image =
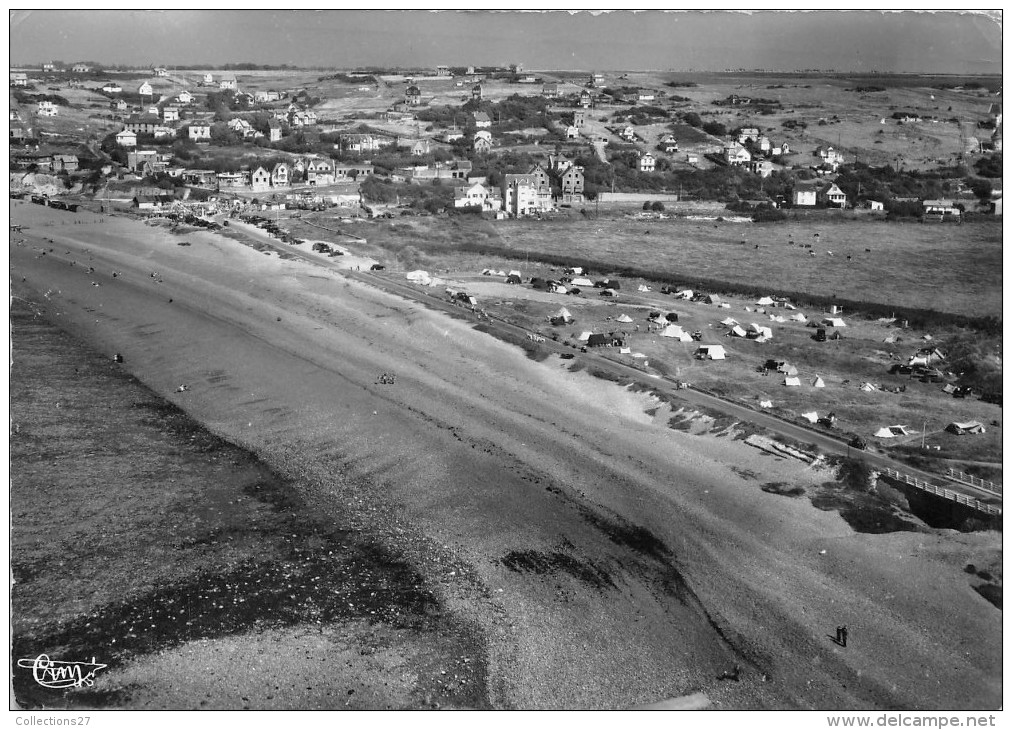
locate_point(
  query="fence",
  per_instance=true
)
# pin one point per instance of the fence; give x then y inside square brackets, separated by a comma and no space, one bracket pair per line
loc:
[942,492]
[977,482]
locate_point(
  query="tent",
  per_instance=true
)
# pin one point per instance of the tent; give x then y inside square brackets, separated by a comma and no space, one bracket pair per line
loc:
[514,272]
[582,282]
[673,330]
[513,279]
[729,322]
[777,318]
[787,369]
[948,388]
[643,287]
[486,272]
[737,331]
[890,339]
[811,416]
[761,331]
[889,432]
[624,318]
[711,352]
[724,305]
[765,404]
[639,355]
[684,294]
[799,317]
[765,302]
[712,299]
[563,315]
[792,381]
[868,387]
[963,428]
[834,322]
[818,382]
[584,336]
[557,288]
[625,351]
[419,277]
[575,270]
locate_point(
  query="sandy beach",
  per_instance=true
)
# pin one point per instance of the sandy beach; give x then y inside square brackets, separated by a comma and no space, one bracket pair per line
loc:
[607,559]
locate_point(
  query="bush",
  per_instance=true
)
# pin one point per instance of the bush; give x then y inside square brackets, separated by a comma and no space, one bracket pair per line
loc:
[657,206]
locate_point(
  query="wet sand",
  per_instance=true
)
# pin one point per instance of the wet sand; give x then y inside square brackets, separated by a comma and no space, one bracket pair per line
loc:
[611,561]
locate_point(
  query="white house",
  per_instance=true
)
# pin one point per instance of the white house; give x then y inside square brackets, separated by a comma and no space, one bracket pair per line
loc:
[260,180]
[19,78]
[126,138]
[199,131]
[482,120]
[645,95]
[145,89]
[80,68]
[208,78]
[735,154]
[161,71]
[482,141]
[474,195]
[112,87]
[228,81]
[46,109]
[185,97]
[647,162]
[170,114]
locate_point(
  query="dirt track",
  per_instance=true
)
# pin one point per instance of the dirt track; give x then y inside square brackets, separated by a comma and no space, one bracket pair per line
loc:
[625,563]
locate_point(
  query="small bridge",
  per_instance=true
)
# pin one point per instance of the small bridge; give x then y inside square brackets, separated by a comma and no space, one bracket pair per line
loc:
[970,502]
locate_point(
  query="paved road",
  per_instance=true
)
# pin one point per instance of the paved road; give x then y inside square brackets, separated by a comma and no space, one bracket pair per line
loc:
[827,443]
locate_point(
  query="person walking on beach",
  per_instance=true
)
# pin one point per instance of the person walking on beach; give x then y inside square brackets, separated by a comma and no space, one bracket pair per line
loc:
[841,635]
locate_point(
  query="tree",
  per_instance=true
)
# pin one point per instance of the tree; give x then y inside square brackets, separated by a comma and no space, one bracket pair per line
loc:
[646,205]
[657,207]
[715,128]
[692,119]
[981,187]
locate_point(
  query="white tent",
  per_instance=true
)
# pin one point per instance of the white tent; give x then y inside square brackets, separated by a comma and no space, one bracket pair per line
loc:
[624,318]
[559,289]
[737,331]
[419,276]
[564,315]
[584,336]
[712,352]
[729,322]
[643,287]
[799,317]
[765,404]
[724,305]
[762,331]
[513,272]
[765,302]
[487,272]
[818,382]
[575,270]
[638,355]
[834,322]
[673,330]
[684,294]
[582,282]
[625,351]
[868,387]
[792,381]
[811,416]
[889,432]
[777,318]
[963,428]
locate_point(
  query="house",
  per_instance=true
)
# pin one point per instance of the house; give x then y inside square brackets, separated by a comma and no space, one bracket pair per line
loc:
[280,176]
[476,92]
[482,141]
[199,131]
[319,171]
[876,205]
[170,114]
[275,131]
[586,99]
[647,162]
[597,80]
[118,105]
[784,149]
[522,195]
[748,134]
[126,138]
[260,180]
[806,194]
[161,71]
[645,95]
[48,67]
[550,90]
[228,81]
[185,98]
[240,126]
[570,184]
[528,79]
[203,178]
[46,109]
[111,87]
[145,89]
[233,179]
[302,118]
[19,78]
[443,71]
[420,147]
[515,68]
[152,202]
[352,171]
[208,79]
[762,168]
[80,68]
[572,132]
[482,120]
[412,96]
[579,119]
[692,159]
[829,156]
[476,195]
[161,131]
[831,196]
[628,133]
[735,154]
[65,163]
[363,142]
[940,210]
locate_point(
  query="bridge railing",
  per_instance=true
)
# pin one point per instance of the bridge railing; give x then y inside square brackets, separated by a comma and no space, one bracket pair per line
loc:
[973,481]
[942,492]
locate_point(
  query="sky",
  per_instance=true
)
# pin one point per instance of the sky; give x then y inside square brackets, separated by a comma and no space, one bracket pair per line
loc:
[954,42]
